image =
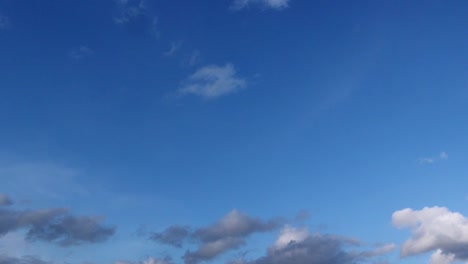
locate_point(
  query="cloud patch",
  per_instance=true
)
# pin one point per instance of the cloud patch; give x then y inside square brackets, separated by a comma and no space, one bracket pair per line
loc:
[273,4]
[434,229]
[150,260]
[54,225]
[5,200]
[442,156]
[297,245]
[213,81]
[81,53]
[228,233]
[173,235]
[22,260]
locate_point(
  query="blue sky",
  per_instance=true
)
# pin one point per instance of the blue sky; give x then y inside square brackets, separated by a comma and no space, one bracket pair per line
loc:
[234,131]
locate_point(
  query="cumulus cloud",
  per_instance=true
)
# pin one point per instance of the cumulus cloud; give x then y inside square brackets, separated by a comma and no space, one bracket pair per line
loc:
[274,4]
[5,200]
[442,156]
[54,225]
[434,229]
[213,81]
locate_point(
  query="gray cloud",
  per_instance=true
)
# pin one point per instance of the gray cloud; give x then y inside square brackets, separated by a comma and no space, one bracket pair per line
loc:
[226,234]
[5,200]
[234,224]
[71,230]
[297,245]
[54,225]
[22,260]
[210,250]
[173,235]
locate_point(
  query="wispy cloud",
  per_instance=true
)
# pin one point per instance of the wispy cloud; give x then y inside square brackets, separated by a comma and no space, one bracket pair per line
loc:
[129,10]
[136,16]
[430,160]
[213,81]
[434,229]
[274,4]
[81,53]
[175,46]
[4,22]
[194,58]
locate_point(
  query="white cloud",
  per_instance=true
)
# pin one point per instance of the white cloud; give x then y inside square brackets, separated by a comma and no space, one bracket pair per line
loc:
[434,228]
[442,156]
[290,234]
[213,81]
[274,4]
[439,258]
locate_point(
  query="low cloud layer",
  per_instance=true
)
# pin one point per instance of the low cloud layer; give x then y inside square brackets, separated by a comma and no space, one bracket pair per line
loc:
[297,245]
[293,245]
[213,81]
[228,233]
[55,225]
[434,229]
[274,4]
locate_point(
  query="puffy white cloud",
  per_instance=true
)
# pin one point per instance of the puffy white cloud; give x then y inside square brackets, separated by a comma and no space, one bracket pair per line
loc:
[213,81]
[274,4]
[439,257]
[290,234]
[434,228]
